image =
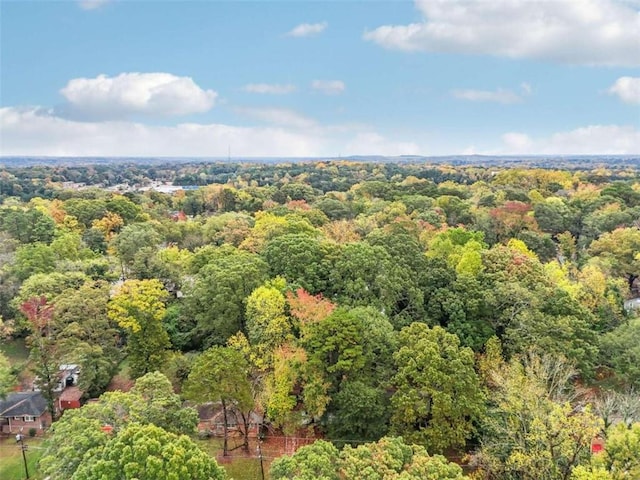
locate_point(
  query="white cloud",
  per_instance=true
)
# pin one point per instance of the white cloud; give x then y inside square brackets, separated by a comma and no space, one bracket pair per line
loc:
[92,4]
[270,88]
[329,87]
[586,32]
[308,29]
[590,140]
[154,94]
[36,132]
[628,89]
[278,116]
[39,132]
[498,96]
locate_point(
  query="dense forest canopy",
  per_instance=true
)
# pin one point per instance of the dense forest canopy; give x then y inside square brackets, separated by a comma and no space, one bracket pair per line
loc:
[398,304]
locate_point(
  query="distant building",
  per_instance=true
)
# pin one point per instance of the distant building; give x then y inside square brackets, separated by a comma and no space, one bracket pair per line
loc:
[24,410]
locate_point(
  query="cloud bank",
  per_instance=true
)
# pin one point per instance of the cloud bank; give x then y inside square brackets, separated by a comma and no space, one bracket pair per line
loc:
[585,32]
[39,132]
[593,139]
[129,94]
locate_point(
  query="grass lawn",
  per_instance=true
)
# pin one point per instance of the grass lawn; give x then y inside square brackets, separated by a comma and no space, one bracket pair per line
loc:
[11,463]
[18,355]
[238,465]
[15,350]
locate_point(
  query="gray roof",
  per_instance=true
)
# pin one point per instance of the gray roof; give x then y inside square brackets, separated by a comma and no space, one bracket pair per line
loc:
[23,403]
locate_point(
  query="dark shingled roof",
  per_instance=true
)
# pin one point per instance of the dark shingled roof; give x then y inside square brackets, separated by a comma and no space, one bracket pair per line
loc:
[23,403]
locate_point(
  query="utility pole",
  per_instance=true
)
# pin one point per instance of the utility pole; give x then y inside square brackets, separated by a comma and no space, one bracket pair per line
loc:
[260,457]
[23,447]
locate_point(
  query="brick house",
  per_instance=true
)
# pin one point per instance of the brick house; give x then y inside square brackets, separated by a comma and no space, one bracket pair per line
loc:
[24,410]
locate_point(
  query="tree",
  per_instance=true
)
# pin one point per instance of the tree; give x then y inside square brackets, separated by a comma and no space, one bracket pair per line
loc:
[620,455]
[391,459]
[86,335]
[217,298]
[365,275]
[621,351]
[267,325]
[34,258]
[532,431]
[161,406]
[43,349]
[437,396]
[147,452]
[27,225]
[317,461]
[220,375]
[86,211]
[132,240]
[554,216]
[358,411]
[138,307]
[620,248]
[300,258]
[7,379]
[75,437]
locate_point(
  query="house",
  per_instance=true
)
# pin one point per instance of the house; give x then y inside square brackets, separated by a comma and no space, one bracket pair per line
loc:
[24,411]
[70,398]
[211,420]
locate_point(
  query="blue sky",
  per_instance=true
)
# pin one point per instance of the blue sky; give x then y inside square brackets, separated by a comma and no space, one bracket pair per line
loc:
[267,78]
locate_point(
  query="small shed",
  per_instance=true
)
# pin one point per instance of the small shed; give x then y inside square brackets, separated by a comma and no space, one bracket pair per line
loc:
[70,398]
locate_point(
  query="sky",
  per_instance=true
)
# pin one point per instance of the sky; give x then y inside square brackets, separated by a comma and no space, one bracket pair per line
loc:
[319,78]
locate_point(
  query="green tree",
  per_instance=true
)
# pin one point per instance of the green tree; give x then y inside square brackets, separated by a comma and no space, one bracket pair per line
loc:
[620,249]
[138,307]
[554,216]
[300,258]
[86,335]
[85,210]
[217,300]
[34,258]
[161,406]
[7,378]
[147,452]
[220,375]
[27,225]
[317,461]
[134,241]
[438,397]
[391,459]
[620,349]
[74,437]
